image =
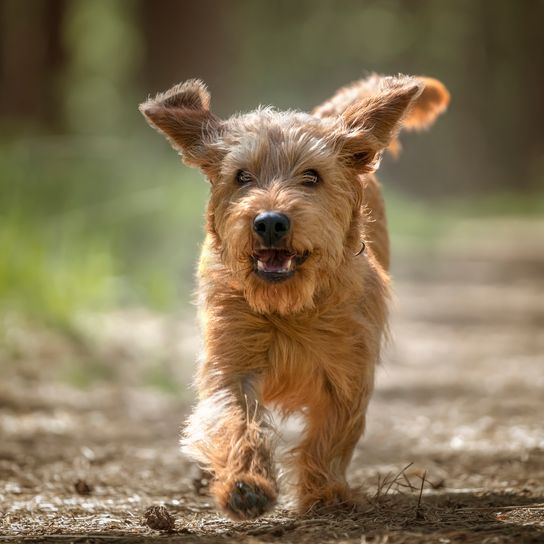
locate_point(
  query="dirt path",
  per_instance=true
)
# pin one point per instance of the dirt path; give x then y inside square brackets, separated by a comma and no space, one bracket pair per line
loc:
[459,402]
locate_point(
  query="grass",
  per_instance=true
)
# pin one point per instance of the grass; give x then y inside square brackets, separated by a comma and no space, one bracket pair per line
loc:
[419,222]
[94,226]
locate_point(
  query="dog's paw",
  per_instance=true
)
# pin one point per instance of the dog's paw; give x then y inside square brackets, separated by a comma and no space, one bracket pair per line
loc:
[246,497]
[247,501]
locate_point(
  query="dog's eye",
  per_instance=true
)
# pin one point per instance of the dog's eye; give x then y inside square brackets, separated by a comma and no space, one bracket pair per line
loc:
[310,178]
[243,177]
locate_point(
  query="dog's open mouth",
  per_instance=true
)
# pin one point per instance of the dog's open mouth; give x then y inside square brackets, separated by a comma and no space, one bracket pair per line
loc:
[277,264]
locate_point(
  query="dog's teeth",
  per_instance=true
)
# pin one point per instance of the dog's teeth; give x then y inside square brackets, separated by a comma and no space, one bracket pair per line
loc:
[285,266]
[276,263]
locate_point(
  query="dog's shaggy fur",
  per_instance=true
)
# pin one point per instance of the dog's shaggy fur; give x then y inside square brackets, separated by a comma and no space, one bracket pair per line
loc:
[292,317]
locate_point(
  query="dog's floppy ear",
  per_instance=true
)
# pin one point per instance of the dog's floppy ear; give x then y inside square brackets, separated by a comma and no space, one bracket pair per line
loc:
[183,115]
[369,124]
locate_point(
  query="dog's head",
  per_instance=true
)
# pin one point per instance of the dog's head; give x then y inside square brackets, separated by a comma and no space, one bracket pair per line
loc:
[286,191]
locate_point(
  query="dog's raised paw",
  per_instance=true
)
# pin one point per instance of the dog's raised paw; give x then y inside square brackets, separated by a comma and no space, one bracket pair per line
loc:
[248,501]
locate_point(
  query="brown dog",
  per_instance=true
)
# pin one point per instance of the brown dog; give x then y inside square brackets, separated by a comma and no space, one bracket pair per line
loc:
[292,310]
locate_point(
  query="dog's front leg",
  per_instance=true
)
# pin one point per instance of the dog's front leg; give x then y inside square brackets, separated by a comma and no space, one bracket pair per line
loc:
[333,429]
[229,434]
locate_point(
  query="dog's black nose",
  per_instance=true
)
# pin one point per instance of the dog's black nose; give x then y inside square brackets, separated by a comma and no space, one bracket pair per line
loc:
[271,226]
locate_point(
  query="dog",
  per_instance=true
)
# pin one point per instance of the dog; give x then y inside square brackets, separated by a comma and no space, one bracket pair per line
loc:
[293,279]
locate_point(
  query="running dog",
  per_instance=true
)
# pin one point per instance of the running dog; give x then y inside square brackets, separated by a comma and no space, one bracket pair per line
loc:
[293,279]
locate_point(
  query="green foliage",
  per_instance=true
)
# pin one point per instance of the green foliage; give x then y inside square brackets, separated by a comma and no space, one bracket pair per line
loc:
[98,85]
[88,226]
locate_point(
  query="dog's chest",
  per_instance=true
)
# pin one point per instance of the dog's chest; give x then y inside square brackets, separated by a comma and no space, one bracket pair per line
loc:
[306,359]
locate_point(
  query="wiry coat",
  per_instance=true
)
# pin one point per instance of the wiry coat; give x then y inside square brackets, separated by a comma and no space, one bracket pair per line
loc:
[308,344]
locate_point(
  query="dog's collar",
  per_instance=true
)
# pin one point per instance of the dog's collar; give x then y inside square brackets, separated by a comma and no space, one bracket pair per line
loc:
[363,246]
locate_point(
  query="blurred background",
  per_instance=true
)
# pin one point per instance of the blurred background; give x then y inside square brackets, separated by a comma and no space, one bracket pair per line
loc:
[98,216]
[100,228]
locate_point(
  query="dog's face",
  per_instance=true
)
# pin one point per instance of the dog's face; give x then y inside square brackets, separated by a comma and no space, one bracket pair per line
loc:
[286,194]
[281,207]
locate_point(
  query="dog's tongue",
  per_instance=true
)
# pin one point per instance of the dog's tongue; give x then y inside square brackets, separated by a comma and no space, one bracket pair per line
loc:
[273,260]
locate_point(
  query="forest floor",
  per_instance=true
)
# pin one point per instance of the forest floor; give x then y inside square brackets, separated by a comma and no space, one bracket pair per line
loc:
[454,450]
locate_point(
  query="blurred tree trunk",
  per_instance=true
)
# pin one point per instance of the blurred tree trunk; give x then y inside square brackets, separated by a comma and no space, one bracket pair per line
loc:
[515,70]
[531,96]
[31,58]
[504,78]
[186,40]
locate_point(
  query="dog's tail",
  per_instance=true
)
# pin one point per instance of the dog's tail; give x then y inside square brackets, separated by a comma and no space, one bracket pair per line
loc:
[430,103]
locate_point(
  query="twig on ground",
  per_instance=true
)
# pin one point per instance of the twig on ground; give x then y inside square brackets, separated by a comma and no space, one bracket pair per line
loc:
[401,472]
[419,512]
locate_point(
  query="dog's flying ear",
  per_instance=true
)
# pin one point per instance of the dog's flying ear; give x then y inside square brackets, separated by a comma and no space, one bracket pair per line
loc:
[371,123]
[183,115]
[428,105]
